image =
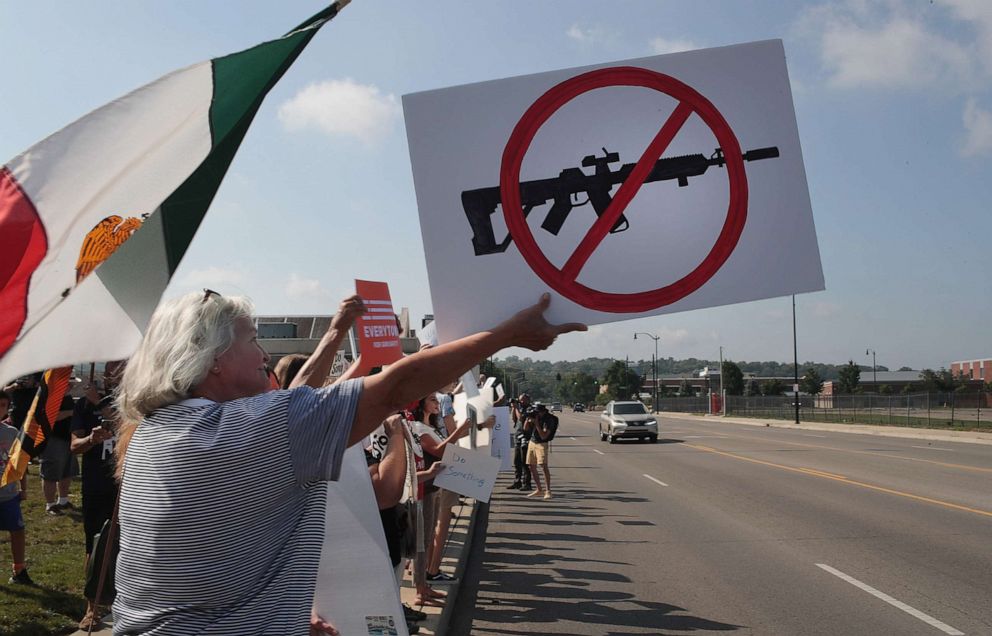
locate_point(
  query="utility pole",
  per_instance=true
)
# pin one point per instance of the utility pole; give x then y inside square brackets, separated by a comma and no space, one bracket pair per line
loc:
[795,360]
[723,397]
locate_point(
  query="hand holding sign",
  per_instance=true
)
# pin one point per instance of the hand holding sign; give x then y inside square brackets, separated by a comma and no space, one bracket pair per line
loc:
[348,312]
[468,472]
[529,329]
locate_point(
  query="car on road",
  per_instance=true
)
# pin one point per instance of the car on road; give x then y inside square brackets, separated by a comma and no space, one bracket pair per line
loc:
[579,407]
[625,420]
[556,406]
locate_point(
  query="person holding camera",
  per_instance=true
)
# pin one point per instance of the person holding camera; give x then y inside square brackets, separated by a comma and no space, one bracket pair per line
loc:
[519,409]
[542,426]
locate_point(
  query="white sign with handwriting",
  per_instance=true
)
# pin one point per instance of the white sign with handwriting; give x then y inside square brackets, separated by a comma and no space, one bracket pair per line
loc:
[469,472]
[499,443]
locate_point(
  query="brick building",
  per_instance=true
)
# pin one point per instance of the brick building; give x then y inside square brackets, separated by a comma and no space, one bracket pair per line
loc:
[974,369]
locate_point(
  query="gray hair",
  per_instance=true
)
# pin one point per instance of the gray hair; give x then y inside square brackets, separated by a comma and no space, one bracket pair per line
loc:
[183,339]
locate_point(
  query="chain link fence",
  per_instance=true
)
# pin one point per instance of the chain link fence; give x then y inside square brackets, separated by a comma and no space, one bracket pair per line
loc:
[960,411]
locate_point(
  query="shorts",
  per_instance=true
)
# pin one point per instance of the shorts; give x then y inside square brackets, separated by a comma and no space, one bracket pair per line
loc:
[57,461]
[537,453]
[447,499]
[10,515]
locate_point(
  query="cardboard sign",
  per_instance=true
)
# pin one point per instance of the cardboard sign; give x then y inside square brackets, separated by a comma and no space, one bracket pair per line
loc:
[628,189]
[428,335]
[500,443]
[356,587]
[378,335]
[469,472]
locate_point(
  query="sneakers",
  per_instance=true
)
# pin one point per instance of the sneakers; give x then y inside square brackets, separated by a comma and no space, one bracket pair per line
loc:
[440,577]
[536,493]
[21,578]
[54,510]
[411,614]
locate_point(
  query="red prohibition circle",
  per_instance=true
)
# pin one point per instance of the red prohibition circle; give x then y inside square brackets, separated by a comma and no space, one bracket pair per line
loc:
[535,117]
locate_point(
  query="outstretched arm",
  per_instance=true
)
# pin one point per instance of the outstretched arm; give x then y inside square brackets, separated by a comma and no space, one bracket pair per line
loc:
[315,370]
[417,375]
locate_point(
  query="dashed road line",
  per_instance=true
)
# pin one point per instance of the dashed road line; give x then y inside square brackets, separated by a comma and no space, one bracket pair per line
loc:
[912,611]
[949,450]
[599,451]
[657,481]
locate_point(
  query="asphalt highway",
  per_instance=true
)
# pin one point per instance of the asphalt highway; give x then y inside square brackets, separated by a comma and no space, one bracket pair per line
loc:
[729,528]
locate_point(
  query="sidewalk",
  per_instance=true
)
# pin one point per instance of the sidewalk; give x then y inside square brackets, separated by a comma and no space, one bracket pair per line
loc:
[970,437]
[455,555]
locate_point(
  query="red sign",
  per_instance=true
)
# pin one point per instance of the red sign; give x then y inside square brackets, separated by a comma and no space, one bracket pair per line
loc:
[377,329]
[564,280]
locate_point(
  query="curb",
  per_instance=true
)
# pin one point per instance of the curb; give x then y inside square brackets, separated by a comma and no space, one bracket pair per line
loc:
[444,620]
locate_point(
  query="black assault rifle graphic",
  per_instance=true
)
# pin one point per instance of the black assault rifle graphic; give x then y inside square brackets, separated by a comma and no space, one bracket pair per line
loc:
[480,204]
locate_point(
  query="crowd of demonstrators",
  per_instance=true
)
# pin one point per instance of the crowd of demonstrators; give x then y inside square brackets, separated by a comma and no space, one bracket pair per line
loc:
[194,399]
[11,496]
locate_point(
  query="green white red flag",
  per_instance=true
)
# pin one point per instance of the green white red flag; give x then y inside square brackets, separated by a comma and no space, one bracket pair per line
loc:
[120,193]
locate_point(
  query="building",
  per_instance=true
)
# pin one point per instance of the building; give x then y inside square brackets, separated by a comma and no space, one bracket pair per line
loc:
[871,382]
[974,369]
[284,335]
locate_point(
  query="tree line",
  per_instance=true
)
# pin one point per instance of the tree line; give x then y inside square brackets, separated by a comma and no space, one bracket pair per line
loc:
[579,381]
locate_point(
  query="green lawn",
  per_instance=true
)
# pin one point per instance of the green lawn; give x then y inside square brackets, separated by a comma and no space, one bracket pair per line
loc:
[55,555]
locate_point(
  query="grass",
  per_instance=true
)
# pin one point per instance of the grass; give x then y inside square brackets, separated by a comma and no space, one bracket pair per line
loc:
[55,554]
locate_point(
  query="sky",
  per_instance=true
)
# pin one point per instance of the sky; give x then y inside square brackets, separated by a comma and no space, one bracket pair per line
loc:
[893,101]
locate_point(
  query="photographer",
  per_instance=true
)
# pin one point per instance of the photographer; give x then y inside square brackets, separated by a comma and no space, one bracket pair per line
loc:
[519,409]
[542,426]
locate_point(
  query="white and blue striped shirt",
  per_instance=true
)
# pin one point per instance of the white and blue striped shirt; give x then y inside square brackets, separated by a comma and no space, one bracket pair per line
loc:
[222,512]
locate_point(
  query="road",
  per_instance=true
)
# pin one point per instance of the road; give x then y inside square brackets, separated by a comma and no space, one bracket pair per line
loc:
[729,528]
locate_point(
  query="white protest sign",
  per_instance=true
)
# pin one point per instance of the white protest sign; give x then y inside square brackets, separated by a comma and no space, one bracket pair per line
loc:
[628,189]
[500,443]
[428,335]
[469,472]
[356,587]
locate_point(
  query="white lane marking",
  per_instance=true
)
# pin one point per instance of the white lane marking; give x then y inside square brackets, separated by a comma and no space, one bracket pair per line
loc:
[949,450]
[930,620]
[656,481]
[811,435]
[572,438]
[599,451]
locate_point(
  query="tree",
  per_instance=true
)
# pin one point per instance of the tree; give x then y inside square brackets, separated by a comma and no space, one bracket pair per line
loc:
[885,389]
[849,377]
[621,382]
[684,388]
[937,381]
[733,378]
[751,387]
[580,387]
[811,382]
[772,387]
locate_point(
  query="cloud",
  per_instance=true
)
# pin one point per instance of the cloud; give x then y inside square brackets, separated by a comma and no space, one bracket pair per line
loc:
[214,278]
[591,35]
[341,108]
[661,46]
[978,129]
[299,288]
[893,45]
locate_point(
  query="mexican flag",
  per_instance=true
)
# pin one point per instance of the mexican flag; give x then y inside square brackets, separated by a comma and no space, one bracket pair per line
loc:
[120,194]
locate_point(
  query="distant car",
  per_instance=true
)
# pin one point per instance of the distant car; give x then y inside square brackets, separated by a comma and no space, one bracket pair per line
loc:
[556,406]
[627,419]
[579,407]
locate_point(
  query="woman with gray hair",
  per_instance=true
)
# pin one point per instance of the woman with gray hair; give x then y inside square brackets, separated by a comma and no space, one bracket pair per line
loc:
[221,519]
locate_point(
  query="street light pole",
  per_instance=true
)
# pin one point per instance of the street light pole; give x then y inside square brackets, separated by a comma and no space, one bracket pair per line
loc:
[795,360]
[654,368]
[874,374]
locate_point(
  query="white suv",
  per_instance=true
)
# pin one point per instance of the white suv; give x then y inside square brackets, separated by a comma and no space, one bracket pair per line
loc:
[627,419]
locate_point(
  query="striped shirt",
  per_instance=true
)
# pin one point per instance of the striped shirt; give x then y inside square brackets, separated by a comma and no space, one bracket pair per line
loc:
[222,512]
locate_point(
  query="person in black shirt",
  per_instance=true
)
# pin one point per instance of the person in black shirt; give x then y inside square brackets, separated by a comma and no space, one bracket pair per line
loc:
[93,437]
[521,474]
